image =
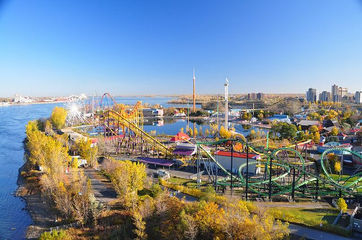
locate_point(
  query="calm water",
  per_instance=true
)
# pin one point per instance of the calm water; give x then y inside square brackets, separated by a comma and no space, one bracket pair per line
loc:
[13,219]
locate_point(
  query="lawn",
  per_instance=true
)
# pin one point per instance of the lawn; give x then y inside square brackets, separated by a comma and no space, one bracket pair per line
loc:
[319,218]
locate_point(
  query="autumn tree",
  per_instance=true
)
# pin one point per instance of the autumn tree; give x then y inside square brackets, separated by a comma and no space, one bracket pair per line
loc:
[334,131]
[128,178]
[313,129]
[316,137]
[58,117]
[87,151]
[224,133]
[140,226]
[341,204]
[246,116]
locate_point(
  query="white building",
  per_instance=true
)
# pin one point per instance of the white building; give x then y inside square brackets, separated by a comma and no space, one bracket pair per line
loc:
[21,99]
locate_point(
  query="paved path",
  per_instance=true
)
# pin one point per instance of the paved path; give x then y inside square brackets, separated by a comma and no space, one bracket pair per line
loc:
[314,234]
[102,187]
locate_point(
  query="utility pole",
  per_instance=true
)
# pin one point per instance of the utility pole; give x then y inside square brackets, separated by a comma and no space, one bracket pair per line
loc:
[193,93]
[232,161]
[217,112]
[226,85]
[247,171]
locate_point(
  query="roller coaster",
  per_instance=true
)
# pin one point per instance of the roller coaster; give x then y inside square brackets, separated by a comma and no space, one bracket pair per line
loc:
[116,118]
[285,170]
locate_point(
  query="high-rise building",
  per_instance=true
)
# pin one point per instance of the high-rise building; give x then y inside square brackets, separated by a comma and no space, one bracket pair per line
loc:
[312,95]
[251,96]
[325,96]
[259,96]
[342,91]
[334,90]
[336,93]
[357,97]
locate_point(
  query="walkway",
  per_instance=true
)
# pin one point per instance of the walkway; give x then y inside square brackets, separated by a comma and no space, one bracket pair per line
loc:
[102,187]
[310,233]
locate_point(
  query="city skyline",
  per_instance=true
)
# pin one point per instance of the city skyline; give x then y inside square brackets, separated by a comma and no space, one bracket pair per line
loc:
[59,48]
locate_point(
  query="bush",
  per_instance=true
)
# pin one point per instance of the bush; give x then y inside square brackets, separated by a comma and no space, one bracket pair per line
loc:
[55,235]
[155,190]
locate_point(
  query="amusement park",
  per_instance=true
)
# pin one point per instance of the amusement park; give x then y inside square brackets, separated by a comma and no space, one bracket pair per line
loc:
[261,165]
[301,168]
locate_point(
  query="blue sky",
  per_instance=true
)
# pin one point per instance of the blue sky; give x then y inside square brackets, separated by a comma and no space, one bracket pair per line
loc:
[131,47]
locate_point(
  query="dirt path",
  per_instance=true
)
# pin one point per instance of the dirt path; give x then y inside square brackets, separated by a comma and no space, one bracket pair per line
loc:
[102,187]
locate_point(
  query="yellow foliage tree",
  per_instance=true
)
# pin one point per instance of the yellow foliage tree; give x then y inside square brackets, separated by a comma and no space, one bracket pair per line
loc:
[58,117]
[316,137]
[313,129]
[341,204]
[334,131]
[128,178]
[337,167]
[87,151]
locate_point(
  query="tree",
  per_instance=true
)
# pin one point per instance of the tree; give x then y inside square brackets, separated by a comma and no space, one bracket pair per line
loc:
[58,117]
[55,235]
[211,219]
[140,225]
[128,178]
[332,115]
[334,131]
[224,133]
[342,206]
[207,132]
[260,116]
[191,132]
[313,129]
[87,151]
[284,130]
[246,116]
[337,167]
[316,137]
[195,132]
[201,133]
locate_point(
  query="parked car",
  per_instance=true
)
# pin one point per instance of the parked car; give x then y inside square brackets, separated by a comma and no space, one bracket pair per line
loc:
[163,174]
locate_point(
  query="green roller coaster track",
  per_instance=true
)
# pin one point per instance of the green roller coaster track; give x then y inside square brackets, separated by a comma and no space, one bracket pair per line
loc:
[306,183]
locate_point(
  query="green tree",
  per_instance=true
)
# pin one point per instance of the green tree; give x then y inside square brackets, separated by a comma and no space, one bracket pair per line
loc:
[55,235]
[58,117]
[284,130]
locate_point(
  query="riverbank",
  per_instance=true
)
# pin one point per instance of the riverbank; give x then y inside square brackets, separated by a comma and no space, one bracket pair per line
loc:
[40,212]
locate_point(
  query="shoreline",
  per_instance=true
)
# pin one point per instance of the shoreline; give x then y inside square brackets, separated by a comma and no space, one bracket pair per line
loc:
[40,213]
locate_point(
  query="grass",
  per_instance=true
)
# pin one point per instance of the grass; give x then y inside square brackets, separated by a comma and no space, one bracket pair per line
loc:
[205,193]
[319,218]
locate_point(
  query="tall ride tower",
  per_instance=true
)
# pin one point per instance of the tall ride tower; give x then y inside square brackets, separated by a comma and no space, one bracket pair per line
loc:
[193,93]
[226,85]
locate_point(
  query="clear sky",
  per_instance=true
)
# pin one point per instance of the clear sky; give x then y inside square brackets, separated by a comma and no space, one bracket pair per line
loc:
[60,47]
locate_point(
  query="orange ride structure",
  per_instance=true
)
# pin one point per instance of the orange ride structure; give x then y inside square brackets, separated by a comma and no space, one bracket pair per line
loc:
[126,124]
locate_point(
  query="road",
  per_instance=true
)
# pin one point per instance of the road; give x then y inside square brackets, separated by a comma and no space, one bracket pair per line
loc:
[310,233]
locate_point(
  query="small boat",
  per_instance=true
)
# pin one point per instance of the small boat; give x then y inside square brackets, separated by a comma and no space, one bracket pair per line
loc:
[331,145]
